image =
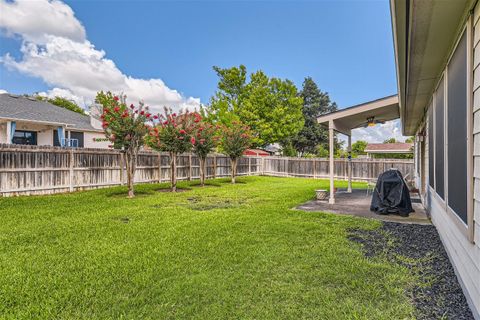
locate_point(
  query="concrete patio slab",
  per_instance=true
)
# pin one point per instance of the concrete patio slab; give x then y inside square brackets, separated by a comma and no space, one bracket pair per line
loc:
[357,203]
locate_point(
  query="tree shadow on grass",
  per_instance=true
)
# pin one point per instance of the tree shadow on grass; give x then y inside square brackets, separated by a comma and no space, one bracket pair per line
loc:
[124,193]
[168,189]
[197,184]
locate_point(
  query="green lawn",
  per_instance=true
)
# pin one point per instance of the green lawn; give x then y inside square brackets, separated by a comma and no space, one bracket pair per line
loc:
[223,251]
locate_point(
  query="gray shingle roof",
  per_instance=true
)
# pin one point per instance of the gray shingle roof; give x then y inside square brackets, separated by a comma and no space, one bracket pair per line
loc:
[30,109]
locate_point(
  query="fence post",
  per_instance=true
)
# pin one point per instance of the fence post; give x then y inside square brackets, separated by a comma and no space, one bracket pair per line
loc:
[189,167]
[314,168]
[287,167]
[121,164]
[214,166]
[159,167]
[72,159]
[249,166]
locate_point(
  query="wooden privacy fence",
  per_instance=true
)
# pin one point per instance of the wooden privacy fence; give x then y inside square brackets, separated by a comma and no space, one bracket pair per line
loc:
[44,169]
[319,168]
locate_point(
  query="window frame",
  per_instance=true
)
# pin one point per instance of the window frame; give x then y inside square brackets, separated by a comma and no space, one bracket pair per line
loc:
[33,133]
[467,228]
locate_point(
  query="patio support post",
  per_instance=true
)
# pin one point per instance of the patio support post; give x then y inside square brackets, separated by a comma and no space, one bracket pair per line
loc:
[9,130]
[331,199]
[349,164]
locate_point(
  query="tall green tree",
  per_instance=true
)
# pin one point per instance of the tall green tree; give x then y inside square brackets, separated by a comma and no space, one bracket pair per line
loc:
[271,107]
[358,147]
[62,103]
[315,103]
[390,140]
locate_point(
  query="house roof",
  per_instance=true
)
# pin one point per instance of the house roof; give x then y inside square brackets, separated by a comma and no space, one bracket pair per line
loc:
[256,152]
[29,109]
[398,147]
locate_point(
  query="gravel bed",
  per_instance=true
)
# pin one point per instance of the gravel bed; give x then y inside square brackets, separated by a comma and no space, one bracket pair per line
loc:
[437,294]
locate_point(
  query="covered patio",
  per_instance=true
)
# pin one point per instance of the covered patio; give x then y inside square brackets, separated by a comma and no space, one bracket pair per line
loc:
[344,121]
[357,203]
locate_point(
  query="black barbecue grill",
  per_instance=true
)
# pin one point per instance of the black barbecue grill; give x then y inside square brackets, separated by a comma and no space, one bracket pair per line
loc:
[391,195]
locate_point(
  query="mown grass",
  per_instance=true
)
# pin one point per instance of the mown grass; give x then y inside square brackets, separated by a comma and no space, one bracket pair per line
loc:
[223,251]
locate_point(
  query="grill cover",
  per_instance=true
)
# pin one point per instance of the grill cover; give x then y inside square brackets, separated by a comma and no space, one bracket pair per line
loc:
[391,194]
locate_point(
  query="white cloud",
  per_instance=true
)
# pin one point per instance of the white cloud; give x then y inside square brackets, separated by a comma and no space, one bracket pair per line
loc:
[59,53]
[34,20]
[3,91]
[376,134]
[379,133]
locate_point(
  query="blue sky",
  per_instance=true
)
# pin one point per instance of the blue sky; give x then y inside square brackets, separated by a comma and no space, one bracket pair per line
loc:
[345,46]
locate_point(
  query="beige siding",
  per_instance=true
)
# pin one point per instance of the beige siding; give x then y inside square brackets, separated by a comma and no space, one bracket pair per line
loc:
[95,140]
[464,254]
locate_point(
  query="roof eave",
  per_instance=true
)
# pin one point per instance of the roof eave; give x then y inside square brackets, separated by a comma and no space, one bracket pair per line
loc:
[424,34]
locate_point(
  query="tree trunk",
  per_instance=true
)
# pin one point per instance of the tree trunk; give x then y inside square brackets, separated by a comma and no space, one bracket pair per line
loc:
[202,170]
[130,159]
[173,171]
[234,169]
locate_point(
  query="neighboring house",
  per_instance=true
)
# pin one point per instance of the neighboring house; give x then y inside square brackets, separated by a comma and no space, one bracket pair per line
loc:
[25,120]
[256,152]
[437,54]
[274,149]
[385,149]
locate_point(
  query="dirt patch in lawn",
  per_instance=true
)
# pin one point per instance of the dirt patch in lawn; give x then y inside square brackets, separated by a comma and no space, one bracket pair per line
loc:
[202,203]
[437,293]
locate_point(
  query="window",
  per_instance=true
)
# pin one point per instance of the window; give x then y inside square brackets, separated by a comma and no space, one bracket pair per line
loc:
[457,130]
[25,137]
[78,137]
[431,148]
[440,139]
[56,142]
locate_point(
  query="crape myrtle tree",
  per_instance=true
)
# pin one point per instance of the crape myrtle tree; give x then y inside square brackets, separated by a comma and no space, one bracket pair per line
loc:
[173,133]
[235,139]
[125,126]
[204,141]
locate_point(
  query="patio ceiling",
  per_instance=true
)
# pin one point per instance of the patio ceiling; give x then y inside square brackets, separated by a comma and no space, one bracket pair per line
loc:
[343,121]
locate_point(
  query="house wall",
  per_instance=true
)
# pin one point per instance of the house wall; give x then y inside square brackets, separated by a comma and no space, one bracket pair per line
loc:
[95,140]
[44,132]
[463,250]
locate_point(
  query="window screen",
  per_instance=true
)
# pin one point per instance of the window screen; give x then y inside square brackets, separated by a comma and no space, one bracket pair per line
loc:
[431,148]
[25,137]
[457,131]
[440,140]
